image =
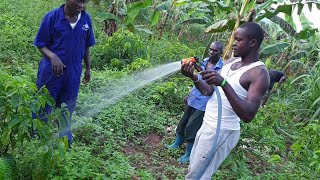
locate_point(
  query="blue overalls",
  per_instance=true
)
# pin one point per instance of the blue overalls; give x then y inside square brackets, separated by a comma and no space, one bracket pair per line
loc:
[69,45]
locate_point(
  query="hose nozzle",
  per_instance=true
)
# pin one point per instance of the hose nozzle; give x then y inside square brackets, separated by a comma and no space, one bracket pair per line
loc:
[194,61]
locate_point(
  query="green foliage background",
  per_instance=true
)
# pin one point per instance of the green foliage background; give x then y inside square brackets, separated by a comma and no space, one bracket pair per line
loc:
[282,142]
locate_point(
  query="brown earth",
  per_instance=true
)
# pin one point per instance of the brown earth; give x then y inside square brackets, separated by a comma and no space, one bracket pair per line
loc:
[153,156]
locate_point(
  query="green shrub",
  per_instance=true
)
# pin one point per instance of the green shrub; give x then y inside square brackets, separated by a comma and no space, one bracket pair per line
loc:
[118,50]
[138,64]
[19,97]
[169,95]
[163,51]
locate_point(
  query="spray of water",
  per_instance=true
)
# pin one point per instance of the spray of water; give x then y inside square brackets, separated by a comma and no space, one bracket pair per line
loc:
[122,87]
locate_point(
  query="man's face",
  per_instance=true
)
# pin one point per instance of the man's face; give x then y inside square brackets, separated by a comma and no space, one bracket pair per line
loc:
[214,52]
[76,6]
[241,44]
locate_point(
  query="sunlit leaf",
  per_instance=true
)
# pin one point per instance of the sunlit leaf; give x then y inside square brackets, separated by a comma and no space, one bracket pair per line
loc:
[286,8]
[284,25]
[221,26]
[195,20]
[154,18]
[105,16]
[143,29]
[273,49]
[134,10]
[274,159]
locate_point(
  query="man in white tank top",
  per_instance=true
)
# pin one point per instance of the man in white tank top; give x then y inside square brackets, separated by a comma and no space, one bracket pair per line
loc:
[242,82]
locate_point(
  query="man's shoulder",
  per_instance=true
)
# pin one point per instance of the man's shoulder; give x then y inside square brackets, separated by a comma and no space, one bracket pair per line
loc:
[53,13]
[232,60]
[259,72]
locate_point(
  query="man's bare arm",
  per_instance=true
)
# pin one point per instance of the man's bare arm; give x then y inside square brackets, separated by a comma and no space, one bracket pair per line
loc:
[56,63]
[247,108]
[204,88]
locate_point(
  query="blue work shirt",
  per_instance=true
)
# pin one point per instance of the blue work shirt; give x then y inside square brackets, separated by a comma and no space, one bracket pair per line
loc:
[68,44]
[195,98]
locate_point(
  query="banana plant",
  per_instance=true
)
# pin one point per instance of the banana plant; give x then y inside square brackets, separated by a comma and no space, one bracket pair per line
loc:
[166,10]
[123,13]
[256,10]
[176,15]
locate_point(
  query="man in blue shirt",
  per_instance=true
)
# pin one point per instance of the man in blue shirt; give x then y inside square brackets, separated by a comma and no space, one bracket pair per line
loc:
[194,112]
[64,38]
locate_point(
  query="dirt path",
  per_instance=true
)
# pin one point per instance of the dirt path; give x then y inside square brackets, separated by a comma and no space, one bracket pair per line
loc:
[148,153]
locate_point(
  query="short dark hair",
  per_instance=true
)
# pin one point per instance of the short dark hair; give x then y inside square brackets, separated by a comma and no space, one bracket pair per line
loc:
[254,31]
[219,45]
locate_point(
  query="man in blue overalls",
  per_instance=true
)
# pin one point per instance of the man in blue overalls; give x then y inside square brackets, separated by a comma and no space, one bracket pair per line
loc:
[64,38]
[192,118]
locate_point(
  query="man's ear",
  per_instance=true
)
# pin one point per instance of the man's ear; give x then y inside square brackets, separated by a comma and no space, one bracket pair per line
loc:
[253,42]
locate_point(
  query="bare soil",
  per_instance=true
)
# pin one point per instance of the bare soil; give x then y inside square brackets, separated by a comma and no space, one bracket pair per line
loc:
[153,156]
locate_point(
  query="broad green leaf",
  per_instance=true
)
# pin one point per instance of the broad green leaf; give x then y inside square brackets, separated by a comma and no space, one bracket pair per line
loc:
[179,3]
[263,6]
[310,6]
[298,55]
[6,167]
[286,8]
[221,26]
[11,92]
[134,10]
[225,7]
[305,23]
[250,6]
[165,6]
[274,159]
[300,7]
[5,138]
[142,29]
[154,18]
[14,122]
[284,25]
[2,169]
[102,16]
[195,21]
[268,63]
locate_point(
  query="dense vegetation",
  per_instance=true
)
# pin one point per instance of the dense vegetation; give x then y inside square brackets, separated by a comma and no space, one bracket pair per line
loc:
[125,139]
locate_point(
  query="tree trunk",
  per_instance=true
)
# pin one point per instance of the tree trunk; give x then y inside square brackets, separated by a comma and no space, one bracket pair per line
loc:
[163,25]
[110,25]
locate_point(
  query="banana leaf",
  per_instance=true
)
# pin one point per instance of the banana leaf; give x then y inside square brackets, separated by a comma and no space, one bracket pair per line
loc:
[154,18]
[195,21]
[134,10]
[273,49]
[143,29]
[102,16]
[284,25]
[285,8]
[221,26]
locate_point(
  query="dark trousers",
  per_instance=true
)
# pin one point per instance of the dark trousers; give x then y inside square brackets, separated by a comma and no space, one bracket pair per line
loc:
[190,123]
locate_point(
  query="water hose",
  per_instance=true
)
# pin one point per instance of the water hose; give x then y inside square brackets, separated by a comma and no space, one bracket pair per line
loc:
[216,138]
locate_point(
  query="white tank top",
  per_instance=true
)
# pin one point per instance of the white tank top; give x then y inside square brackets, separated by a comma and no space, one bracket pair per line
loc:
[229,119]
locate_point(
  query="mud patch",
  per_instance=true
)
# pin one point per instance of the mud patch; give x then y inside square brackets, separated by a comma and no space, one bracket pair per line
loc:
[153,140]
[148,153]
